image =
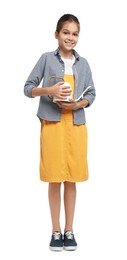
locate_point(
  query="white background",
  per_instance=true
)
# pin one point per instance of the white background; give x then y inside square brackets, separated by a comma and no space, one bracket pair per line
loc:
[26,31]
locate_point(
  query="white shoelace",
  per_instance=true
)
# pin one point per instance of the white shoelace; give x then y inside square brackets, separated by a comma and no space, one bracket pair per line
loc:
[56,235]
[69,235]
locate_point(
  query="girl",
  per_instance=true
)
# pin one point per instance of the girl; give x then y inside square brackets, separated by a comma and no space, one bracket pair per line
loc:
[63,139]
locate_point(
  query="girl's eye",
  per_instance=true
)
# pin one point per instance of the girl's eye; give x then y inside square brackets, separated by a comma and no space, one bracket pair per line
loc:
[75,34]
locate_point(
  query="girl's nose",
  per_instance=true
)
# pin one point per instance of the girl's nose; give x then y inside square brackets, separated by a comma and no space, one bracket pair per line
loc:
[70,37]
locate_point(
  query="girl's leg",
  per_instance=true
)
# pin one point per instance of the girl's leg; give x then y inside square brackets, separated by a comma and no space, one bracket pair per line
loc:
[69,204]
[55,203]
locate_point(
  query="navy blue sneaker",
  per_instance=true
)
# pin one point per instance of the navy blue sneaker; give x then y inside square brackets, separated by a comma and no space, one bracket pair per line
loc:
[56,243]
[69,241]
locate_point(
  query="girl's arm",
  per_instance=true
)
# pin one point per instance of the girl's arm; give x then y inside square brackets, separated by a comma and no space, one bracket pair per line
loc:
[81,104]
[73,105]
[56,90]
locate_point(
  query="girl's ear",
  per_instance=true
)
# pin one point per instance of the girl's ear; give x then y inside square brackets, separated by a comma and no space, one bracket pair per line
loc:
[56,35]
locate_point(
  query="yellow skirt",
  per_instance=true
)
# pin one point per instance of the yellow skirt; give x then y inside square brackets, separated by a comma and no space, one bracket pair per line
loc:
[63,150]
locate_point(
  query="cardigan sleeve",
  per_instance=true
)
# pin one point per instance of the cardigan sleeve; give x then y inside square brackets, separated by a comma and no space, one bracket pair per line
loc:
[91,93]
[35,76]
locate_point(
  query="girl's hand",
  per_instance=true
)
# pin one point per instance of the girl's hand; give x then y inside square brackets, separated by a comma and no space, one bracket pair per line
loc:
[59,91]
[72,105]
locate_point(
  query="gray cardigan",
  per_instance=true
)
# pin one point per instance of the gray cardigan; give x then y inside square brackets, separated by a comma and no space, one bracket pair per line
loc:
[51,64]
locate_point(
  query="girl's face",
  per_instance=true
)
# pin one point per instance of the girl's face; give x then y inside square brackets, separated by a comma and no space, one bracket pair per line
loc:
[68,36]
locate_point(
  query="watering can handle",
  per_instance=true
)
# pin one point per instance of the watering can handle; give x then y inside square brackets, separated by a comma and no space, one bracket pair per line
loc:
[54,77]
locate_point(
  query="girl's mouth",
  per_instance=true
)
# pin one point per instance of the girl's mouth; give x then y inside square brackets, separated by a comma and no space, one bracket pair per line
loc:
[69,44]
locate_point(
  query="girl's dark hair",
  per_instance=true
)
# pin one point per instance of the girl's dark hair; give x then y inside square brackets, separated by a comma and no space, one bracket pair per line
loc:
[65,18]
